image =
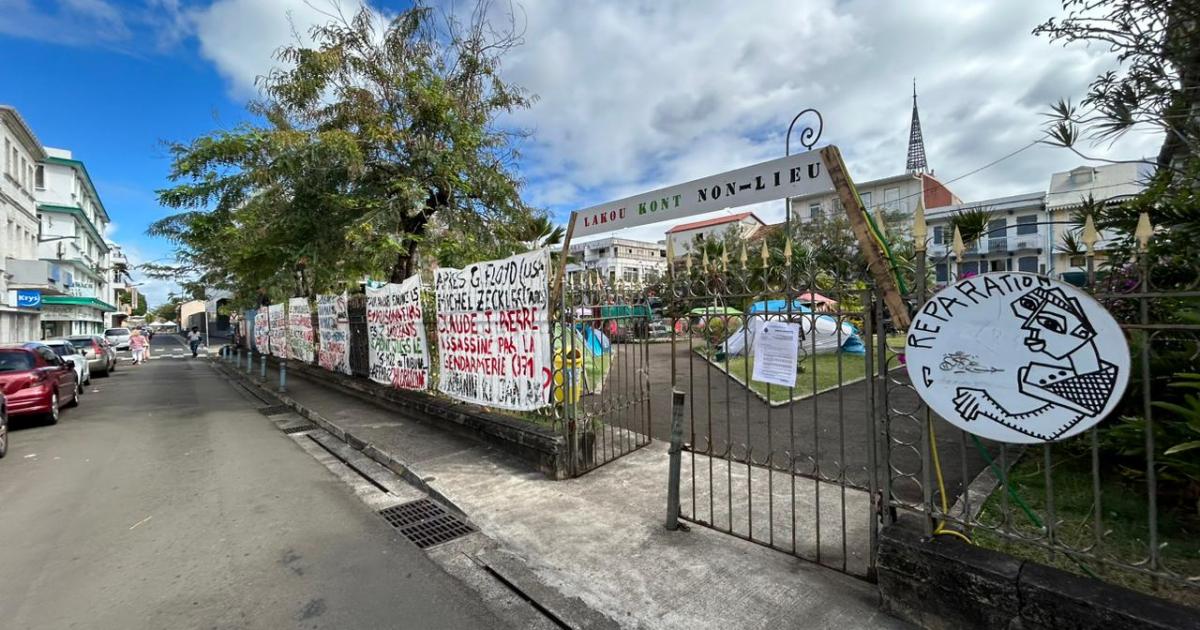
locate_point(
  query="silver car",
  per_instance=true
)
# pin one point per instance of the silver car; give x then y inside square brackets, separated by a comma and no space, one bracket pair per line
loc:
[101,355]
[118,337]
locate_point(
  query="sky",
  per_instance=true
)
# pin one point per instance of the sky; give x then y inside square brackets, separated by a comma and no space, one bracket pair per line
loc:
[631,95]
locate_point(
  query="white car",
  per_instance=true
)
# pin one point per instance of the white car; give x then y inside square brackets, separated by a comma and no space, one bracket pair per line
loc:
[118,337]
[69,352]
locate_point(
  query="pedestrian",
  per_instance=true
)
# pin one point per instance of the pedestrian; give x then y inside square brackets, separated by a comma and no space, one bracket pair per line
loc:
[194,340]
[137,343]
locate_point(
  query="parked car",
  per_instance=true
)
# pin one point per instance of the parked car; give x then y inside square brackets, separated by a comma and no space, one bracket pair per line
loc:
[118,337]
[36,381]
[69,352]
[3,426]
[101,355]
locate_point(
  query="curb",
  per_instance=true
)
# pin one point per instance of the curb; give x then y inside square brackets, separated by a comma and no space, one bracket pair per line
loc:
[404,469]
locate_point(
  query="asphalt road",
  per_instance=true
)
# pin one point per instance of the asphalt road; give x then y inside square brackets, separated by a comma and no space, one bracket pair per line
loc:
[166,501]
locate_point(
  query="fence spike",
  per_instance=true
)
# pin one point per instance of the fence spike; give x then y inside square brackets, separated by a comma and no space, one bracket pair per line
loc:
[687,259]
[959,248]
[724,259]
[1090,236]
[920,228]
[704,259]
[787,251]
[1144,231]
[766,254]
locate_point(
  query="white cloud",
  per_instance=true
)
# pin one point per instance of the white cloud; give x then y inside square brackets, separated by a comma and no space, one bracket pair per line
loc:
[636,95]
[633,96]
[240,37]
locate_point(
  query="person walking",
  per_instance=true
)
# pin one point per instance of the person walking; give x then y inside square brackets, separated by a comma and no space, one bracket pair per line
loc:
[194,340]
[137,344]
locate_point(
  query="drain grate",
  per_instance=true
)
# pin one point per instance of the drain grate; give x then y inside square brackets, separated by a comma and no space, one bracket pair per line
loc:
[274,410]
[300,428]
[425,523]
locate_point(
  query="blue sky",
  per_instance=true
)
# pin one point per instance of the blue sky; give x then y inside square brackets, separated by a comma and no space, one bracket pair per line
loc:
[629,98]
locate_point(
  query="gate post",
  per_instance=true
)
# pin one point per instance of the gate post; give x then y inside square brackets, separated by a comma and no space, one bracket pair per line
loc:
[676,453]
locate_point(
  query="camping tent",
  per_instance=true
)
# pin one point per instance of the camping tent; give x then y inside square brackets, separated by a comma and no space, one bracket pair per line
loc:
[818,333]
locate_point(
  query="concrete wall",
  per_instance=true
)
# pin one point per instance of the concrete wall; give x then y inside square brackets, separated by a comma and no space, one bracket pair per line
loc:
[945,583]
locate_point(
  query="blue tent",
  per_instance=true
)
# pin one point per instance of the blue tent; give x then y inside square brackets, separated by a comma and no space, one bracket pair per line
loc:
[823,327]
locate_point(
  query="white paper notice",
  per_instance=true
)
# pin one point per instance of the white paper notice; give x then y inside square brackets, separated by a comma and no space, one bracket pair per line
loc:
[775,353]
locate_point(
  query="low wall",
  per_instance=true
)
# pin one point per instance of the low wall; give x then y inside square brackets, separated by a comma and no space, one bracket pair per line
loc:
[539,446]
[945,583]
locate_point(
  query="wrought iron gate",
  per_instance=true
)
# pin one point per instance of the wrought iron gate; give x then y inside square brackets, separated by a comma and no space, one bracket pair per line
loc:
[789,467]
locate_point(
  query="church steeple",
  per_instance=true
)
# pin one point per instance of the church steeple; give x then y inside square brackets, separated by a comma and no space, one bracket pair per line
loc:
[916,144]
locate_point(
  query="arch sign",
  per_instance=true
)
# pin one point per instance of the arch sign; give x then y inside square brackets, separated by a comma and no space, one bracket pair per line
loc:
[1017,357]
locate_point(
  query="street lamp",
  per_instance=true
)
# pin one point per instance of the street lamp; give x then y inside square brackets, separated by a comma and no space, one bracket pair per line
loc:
[808,138]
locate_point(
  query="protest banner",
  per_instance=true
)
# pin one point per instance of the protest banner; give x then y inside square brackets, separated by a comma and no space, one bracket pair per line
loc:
[300,330]
[396,335]
[277,326]
[333,324]
[494,332]
[262,327]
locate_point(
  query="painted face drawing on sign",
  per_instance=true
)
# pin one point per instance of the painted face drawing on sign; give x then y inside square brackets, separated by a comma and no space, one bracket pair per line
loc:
[1016,357]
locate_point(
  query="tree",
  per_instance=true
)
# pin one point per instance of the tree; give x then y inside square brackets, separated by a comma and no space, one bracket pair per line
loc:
[167,311]
[125,297]
[1157,83]
[378,145]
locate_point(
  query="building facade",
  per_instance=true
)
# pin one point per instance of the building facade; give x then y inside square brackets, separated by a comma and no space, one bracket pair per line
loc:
[1017,238]
[898,193]
[688,237]
[1109,184]
[20,281]
[73,221]
[618,260]
[1026,232]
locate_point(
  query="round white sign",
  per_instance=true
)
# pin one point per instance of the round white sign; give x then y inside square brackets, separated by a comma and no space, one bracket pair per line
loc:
[1017,357]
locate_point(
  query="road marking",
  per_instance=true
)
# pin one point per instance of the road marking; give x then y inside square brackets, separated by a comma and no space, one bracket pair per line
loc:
[140,522]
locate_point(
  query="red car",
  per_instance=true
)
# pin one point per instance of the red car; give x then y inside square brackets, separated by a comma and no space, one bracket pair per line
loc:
[36,381]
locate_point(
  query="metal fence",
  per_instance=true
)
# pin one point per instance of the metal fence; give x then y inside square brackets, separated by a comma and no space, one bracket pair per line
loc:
[790,467]
[1105,503]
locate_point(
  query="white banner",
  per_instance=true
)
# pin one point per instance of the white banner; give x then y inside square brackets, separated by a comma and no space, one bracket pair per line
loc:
[791,176]
[333,324]
[494,332]
[277,330]
[396,335]
[262,330]
[300,330]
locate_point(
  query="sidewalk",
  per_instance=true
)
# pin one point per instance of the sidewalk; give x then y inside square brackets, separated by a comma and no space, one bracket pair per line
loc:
[600,537]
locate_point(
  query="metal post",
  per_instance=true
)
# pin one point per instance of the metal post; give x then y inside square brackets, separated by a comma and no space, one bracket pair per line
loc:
[282,375]
[676,452]
[262,368]
[249,361]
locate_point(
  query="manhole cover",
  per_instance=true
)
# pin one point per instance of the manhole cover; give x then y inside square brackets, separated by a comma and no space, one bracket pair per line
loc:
[300,428]
[274,410]
[425,523]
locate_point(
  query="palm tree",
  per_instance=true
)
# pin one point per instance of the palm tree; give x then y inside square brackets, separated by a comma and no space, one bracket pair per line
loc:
[971,224]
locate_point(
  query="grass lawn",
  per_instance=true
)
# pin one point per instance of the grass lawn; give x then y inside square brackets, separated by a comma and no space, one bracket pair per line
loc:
[1124,522]
[824,367]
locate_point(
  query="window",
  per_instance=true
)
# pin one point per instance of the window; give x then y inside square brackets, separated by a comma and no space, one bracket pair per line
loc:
[630,275]
[815,212]
[968,268]
[1078,261]
[891,198]
[1028,264]
[651,275]
[1027,224]
[39,177]
[941,272]
[938,234]
[866,199]
[24,174]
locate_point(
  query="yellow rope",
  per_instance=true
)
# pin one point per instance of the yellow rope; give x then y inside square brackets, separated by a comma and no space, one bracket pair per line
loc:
[941,529]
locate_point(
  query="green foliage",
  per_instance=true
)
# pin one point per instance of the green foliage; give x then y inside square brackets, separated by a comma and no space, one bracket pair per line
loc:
[376,147]
[971,224]
[167,311]
[124,297]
